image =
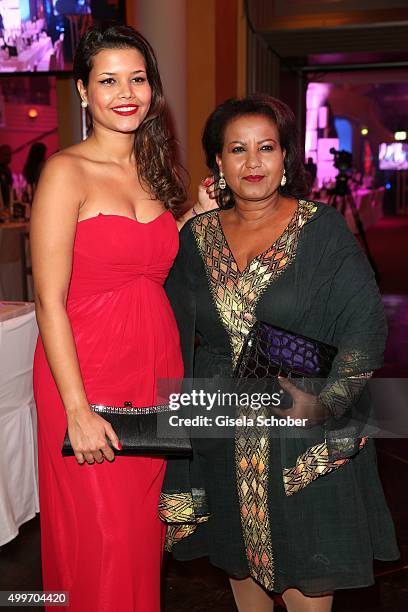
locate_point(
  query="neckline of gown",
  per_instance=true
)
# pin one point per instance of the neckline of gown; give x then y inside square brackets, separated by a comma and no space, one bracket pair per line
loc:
[292,222]
[102,215]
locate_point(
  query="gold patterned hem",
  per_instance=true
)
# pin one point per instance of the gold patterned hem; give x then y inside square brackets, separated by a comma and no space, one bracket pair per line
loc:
[312,464]
[181,514]
[176,507]
[183,507]
[175,533]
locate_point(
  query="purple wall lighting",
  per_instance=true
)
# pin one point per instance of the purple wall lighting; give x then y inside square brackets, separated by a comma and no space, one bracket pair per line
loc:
[317,121]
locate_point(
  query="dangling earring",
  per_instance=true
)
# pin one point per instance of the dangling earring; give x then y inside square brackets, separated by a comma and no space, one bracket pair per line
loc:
[84,104]
[283,180]
[222,182]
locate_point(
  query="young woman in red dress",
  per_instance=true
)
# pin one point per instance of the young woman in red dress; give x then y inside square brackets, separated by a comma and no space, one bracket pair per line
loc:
[103,240]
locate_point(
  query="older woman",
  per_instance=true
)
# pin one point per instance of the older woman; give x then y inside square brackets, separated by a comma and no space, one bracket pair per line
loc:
[298,516]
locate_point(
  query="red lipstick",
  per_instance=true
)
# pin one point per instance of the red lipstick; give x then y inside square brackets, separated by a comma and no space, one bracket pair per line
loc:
[254,178]
[125,109]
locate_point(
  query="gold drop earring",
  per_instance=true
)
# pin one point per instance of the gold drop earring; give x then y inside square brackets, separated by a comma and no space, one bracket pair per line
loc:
[283,180]
[222,182]
[84,104]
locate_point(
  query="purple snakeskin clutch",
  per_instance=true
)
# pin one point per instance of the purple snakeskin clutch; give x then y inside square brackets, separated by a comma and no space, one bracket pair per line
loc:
[269,350]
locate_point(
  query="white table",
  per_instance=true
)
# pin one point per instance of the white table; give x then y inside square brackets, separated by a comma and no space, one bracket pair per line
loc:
[10,261]
[28,60]
[18,426]
[369,203]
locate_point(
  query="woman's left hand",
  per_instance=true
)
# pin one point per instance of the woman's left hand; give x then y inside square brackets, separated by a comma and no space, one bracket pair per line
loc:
[305,405]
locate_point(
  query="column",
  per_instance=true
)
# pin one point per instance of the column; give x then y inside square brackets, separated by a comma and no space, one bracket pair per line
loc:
[163,23]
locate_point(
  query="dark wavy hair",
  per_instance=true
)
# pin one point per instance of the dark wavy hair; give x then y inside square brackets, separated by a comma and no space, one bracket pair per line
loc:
[154,147]
[284,119]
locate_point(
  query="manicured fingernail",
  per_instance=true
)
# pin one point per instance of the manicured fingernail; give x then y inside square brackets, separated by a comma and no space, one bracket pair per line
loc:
[207,181]
[120,446]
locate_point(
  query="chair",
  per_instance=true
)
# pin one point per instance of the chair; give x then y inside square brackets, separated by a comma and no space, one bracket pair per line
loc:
[18,425]
[10,264]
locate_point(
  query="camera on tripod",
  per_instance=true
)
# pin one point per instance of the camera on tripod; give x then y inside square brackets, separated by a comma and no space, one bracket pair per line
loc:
[343,162]
[342,199]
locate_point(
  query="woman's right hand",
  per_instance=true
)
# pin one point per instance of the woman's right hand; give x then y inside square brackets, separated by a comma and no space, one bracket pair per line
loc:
[207,200]
[207,194]
[88,433]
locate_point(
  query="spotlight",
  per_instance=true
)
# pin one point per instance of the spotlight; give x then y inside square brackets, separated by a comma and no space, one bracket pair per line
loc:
[364,131]
[32,113]
[388,185]
[402,135]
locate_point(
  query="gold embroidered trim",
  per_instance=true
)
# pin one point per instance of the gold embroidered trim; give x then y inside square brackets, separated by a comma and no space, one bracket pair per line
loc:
[235,296]
[338,395]
[175,533]
[311,465]
[176,507]
[252,465]
[183,507]
[180,512]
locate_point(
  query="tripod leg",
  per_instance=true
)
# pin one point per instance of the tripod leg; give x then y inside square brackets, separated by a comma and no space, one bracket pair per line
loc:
[333,201]
[361,233]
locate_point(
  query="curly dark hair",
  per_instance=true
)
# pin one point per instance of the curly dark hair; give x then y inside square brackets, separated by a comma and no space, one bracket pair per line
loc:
[284,119]
[154,147]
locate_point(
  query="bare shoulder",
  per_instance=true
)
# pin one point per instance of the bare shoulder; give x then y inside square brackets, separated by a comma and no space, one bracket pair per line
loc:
[64,174]
[61,189]
[68,161]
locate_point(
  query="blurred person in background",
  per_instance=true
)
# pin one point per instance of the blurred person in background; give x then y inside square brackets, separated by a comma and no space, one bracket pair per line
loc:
[311,170]
[34,165]
[6,177]
[1,26]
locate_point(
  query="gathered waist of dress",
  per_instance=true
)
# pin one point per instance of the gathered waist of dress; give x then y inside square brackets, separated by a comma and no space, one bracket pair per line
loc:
[85,286]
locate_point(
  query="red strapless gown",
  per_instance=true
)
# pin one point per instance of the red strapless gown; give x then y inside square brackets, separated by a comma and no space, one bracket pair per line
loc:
[100,532]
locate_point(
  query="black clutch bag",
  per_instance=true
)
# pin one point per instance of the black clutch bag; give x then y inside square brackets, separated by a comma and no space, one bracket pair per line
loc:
[137,429]
[271,351]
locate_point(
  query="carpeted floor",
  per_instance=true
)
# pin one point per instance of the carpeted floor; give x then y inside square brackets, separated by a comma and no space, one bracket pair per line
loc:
[388,243]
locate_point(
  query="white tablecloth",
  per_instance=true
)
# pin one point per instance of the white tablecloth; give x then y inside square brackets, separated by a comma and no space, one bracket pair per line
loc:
[28,60]
[10,261]
[18,429]
[369,204]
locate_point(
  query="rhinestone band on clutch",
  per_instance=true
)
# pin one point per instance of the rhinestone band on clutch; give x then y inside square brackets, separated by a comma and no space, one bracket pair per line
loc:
[139,431]
[128,408]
